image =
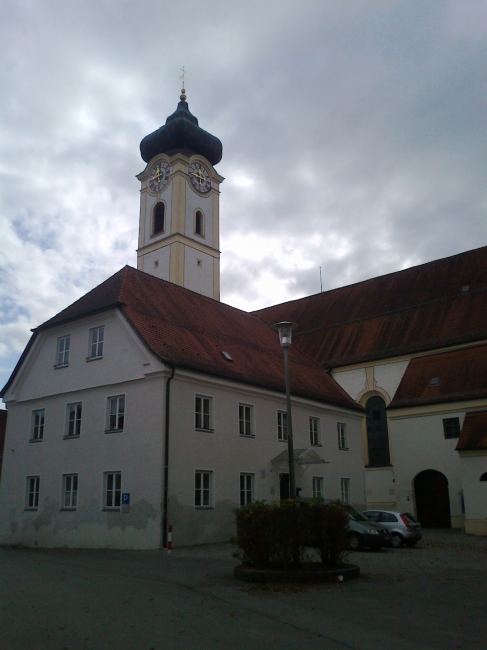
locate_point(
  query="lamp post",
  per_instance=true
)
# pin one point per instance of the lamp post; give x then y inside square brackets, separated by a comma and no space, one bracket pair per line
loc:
[285,334]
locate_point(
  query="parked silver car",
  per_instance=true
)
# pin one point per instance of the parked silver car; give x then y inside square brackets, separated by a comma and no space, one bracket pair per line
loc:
[363,532]
[404,528]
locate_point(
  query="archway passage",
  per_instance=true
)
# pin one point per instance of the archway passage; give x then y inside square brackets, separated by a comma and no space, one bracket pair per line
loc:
[432,499]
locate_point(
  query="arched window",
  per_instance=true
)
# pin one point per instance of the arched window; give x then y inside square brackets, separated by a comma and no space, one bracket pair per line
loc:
[484,477]
[159,218]
[199,223]
[377,432]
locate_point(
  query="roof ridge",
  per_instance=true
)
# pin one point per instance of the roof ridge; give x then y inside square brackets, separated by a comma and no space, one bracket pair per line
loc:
[355,284]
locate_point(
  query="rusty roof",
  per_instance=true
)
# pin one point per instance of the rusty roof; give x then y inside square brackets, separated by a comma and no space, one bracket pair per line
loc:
[425,307]
[446,377]
[474,432]
[191,330]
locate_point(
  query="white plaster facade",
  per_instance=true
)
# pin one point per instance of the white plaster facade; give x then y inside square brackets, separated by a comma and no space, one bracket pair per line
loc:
[137,451]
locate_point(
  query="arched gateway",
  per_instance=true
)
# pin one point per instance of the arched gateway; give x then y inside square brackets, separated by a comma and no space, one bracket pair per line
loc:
[432,499]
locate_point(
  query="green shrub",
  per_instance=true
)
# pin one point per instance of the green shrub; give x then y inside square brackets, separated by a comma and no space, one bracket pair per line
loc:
[277,534]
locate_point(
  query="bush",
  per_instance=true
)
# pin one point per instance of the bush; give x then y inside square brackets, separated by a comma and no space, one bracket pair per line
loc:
[277,534]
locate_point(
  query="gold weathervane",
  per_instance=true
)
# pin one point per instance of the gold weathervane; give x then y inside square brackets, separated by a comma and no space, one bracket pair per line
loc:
[183,92]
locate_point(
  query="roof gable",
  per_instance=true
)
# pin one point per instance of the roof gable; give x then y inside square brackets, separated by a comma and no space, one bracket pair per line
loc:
[191,330]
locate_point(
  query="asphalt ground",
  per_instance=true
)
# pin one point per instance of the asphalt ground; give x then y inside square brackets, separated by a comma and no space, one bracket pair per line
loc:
[432,596]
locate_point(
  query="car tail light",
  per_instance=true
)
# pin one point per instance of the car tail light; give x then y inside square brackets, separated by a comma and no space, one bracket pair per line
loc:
[405,521]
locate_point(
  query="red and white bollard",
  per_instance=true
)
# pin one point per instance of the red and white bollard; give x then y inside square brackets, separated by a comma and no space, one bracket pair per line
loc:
[169,539]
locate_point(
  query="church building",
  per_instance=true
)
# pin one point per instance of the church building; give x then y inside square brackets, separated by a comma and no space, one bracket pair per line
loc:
[148,402]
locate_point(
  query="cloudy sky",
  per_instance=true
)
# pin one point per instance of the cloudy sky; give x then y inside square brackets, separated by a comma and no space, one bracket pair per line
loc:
[354,138]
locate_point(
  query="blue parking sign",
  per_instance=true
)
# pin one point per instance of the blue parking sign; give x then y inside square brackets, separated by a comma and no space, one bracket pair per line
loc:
[125,498]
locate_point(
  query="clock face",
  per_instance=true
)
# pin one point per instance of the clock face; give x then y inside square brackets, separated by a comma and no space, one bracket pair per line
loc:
[199,177]
[159,176]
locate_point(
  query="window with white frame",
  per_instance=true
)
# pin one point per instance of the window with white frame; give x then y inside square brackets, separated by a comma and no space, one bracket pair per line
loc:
[246,488]
[97,337]
[317,486]
[245,413]
[112,488]
[342,435]
[203,487]
[62,352]
[281,425]
[37,427]
[314,431]
[32,493]
[346,490]
[202,413]
[73,417]
[70,491]
[116,413]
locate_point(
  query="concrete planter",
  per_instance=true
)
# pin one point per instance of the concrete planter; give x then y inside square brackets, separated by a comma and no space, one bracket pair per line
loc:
[310,573]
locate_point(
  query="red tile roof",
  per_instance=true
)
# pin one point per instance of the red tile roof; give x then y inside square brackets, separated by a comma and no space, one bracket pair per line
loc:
[462,375]
[421,308]
[190,330]
[474,432]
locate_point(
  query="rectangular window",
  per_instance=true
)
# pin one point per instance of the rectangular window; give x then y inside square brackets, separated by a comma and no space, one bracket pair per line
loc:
[97,336]
[70,491]
[37,431]
[451,427]
[62,357]
[342,435]
[281,425]
[73,427]
[203,497]
[317,486]
[202,413]
[116,413]
[346,490]
[246,489]
[112,489]
[32,493]
[245,420]
[314,432]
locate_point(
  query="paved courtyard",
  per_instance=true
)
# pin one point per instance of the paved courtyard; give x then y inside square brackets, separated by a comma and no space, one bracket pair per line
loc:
[432,596]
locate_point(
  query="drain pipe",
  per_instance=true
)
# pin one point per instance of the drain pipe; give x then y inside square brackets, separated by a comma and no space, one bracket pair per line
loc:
[166,461]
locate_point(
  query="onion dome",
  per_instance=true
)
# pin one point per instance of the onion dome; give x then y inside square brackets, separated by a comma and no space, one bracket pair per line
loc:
[181,134]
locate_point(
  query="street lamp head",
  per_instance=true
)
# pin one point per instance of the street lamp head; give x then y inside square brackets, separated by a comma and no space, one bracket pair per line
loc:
[285,332]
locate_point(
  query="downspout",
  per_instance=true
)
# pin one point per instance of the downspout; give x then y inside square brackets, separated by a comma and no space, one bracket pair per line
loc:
[166,462]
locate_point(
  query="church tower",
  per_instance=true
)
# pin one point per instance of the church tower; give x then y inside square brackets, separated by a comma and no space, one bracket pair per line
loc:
[179,237]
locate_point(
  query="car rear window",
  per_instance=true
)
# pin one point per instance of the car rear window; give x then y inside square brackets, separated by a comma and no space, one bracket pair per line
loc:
[387,517]
[409,517]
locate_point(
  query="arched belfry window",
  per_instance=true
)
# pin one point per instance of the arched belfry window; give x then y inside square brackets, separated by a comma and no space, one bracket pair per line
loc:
[159,218]
[377,432]
[199,223]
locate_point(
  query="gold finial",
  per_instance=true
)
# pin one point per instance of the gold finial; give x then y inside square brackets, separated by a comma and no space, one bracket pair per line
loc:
[182,97]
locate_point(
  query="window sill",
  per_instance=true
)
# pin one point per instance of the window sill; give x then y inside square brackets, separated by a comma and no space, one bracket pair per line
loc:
[61,365]
[316,444]
[31,509]
[157,234]
[94,358]
[247,435]
[70,437]
[204,508]
[36,440]
[113,431]
[343,448]
[206,430]
[378,466]
[67,509]
[115,509]
[280,440]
